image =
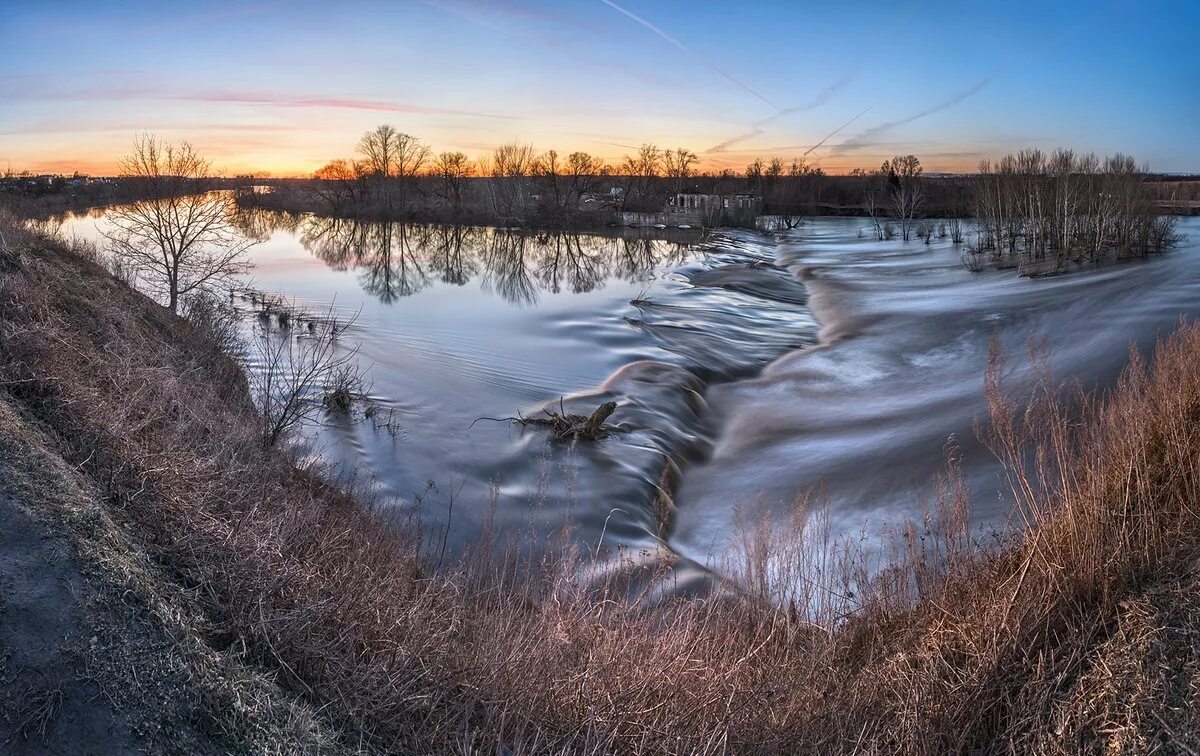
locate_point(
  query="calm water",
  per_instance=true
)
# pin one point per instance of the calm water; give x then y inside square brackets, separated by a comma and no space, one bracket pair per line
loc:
[747,367]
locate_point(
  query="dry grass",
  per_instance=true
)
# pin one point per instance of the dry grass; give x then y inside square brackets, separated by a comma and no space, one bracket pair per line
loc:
[1060,640]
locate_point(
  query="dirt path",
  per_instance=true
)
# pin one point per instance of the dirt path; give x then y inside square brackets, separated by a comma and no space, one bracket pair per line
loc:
[45,705]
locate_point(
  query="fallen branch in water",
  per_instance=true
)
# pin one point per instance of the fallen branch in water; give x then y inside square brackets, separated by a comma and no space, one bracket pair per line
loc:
[565,426]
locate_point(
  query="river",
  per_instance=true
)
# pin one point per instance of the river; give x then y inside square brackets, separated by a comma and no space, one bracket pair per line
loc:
[747,367]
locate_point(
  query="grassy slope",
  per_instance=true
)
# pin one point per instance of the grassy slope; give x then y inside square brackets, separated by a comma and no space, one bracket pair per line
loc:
[282,598]
[105,654]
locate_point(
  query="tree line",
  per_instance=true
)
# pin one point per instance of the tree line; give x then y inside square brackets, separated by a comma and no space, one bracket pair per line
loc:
[1064,207]
[395,176]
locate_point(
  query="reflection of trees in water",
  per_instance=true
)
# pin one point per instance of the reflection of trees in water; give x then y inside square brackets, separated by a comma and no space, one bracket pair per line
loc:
[259,224]
[451,255]
[506,266]
[564,258]
[635,259]
[391,267]
[389,256]
[397,259]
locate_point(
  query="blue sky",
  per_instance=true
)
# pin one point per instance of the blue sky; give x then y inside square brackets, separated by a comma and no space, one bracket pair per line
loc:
[285,85]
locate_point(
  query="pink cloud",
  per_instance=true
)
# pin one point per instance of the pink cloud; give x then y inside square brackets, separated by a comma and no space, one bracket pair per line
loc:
[24,90]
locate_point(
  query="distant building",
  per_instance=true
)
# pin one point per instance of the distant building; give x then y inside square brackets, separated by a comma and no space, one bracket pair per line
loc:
[743,201]
[693,202]
[709,205]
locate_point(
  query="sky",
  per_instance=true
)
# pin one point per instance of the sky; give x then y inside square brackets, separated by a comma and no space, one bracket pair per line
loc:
[283,86]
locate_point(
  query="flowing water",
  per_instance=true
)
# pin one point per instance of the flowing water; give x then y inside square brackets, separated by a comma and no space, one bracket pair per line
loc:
[747,367]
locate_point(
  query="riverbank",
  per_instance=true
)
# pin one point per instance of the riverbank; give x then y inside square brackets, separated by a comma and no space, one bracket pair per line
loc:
[1075,633]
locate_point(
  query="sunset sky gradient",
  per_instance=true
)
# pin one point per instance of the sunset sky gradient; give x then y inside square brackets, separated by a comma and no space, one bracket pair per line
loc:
[284,86]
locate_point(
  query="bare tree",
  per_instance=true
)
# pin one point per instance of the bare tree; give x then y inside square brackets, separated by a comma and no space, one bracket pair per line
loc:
[1038,212]
[451,169]
[584,171]
[641,171]
[509,167]
[873,196]
[548,169]
[180,237]
[394,160]
[677,164]
[339,184]
[907,194]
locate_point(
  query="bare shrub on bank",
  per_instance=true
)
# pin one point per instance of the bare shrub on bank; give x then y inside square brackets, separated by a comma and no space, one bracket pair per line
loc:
[298,373]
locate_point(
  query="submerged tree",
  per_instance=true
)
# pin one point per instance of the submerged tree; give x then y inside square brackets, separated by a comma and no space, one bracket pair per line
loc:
[179,237]
[907,195]
[1044,211]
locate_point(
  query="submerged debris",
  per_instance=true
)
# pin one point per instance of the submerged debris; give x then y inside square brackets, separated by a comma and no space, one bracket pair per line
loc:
[339,399]
[567,427]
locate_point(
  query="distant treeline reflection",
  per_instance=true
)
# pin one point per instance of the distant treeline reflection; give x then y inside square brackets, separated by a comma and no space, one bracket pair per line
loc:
[397,260]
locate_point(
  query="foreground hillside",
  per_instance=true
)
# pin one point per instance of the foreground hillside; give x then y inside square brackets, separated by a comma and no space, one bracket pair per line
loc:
[223,600]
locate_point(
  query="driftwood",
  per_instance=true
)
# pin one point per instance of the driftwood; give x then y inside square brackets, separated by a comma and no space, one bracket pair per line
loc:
[566,427]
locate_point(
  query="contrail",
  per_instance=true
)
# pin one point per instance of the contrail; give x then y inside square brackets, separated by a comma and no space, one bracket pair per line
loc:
[675,42]
[615,144]
[759,126]
[865,138]
[835,131]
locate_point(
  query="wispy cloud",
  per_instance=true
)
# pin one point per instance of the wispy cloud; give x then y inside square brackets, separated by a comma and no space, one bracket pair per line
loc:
[344,103]
[238,97]
[676,43]
[871,135]
[127,127]
[760,127]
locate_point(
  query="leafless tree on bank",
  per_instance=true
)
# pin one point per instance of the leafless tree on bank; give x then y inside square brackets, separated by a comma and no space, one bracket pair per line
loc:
[548,170]
[677,165]
[509,166]
[585,172]
[394,160]
[340,184]
[641,172]
[451,169]
[180,237]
